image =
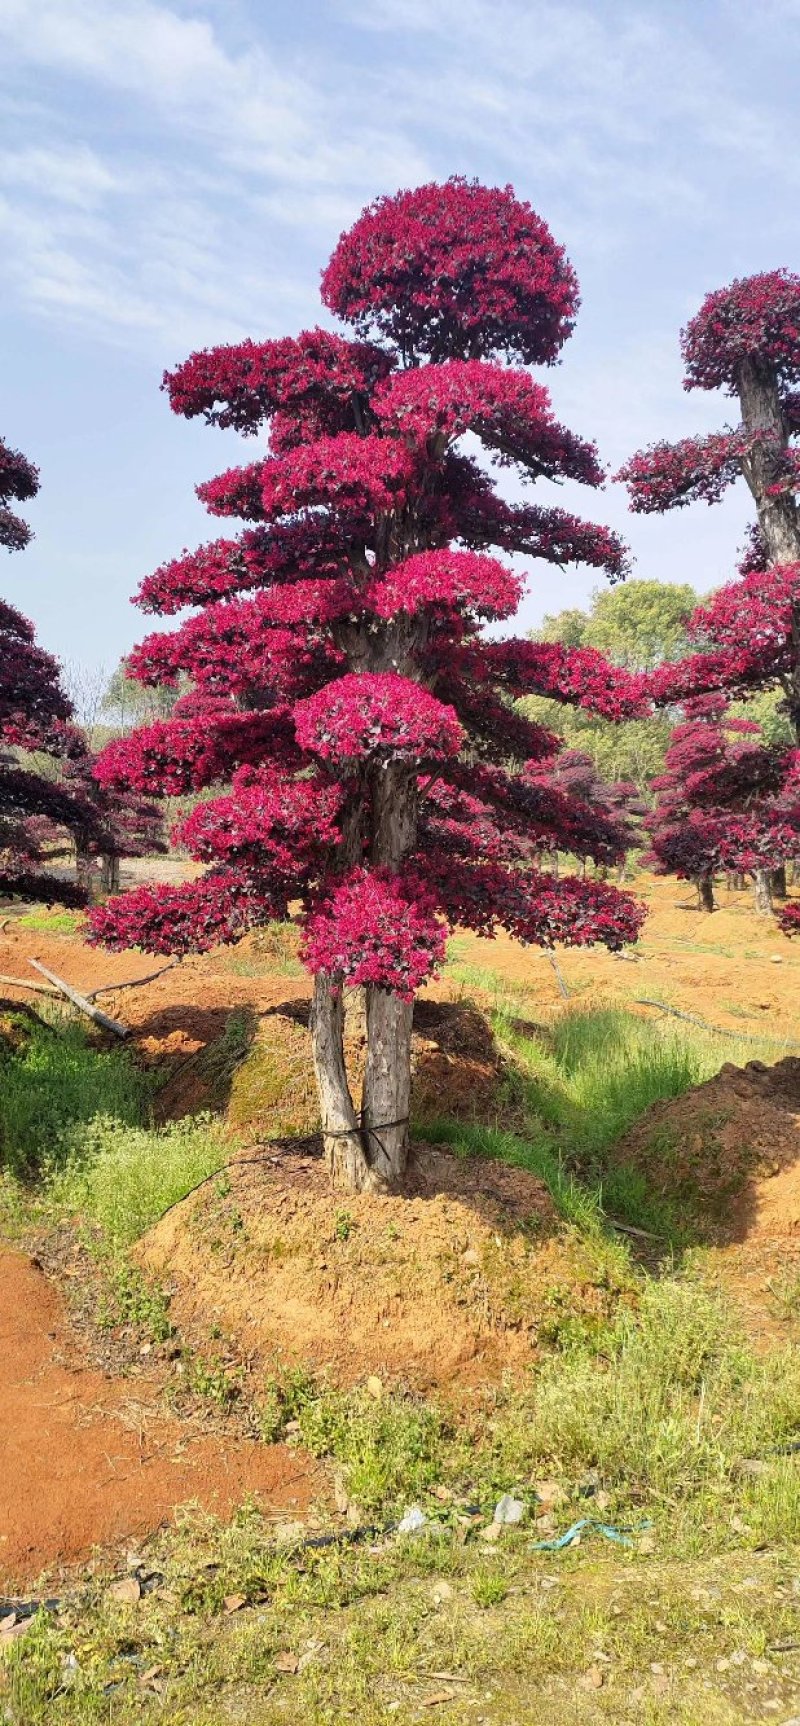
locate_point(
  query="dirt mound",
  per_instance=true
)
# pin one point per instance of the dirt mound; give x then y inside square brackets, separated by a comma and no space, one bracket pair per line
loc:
[729,1150]
[271,1090]
[89,1460]
[453,1281]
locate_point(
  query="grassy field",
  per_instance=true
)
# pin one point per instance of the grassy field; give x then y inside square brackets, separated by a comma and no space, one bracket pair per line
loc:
[659,1420]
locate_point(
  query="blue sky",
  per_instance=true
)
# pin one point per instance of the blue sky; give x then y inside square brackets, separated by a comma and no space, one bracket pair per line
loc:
[174,173]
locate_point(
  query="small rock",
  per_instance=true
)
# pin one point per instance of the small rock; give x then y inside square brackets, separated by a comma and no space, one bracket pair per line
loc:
[443,1494]
[492,1532]
[287,1533]
[592,1679]
[549,1492]
[375,1386]
[441,1591]
[509,1510]
[12,1631]
[776,958]
[234,1602]
[126,1592]
[287,1663]
[646,1543]
[413,1520]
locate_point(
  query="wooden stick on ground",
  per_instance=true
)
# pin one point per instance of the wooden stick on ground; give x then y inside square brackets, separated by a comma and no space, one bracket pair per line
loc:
[81,1002]
[35,988]
[133,982]
[559,979]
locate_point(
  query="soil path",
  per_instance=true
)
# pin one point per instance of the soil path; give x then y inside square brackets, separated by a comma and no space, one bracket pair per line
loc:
[86,1460]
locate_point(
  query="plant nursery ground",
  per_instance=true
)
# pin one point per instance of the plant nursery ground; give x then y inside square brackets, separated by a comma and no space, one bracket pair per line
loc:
[223,1387]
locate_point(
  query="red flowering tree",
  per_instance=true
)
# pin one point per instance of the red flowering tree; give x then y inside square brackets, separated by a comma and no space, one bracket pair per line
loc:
[342,691]
[116,822]
[726,800]
[619,803]
[33,712]
[745,340]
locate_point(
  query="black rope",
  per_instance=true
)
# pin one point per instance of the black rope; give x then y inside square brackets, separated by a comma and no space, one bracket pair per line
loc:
[305,1139]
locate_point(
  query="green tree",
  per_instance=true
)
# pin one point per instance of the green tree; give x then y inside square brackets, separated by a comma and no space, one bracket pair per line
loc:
[126,704]
[637,624]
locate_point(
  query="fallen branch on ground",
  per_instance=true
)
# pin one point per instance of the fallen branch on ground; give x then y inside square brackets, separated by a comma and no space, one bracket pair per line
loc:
[132,983]
[718,1030]
[34,988]
[81,1002]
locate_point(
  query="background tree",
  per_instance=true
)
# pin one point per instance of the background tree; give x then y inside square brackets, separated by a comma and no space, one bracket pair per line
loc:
[344,688]
[745,340]
[126,702]
[33,715]
[638,625]
[574,772]
[726,800]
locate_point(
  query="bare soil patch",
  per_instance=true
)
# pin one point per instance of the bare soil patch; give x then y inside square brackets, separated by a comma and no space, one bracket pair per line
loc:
[89,1460]
[730,1147]
[444,1286]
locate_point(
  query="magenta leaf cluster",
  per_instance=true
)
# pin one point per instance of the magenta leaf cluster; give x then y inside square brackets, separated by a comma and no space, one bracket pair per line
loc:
[357,731]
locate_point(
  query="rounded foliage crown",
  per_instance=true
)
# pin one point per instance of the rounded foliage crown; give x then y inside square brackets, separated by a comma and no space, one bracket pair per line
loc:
[456,270]
[756,318]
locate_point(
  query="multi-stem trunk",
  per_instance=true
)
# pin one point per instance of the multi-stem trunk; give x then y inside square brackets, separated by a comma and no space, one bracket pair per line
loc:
[386,1097]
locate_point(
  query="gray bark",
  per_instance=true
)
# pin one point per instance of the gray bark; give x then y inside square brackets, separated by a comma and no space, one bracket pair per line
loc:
[705,893]
[344,1150]
[109,876]
[386,1095]
[778,516]
[777,881]
[763,892]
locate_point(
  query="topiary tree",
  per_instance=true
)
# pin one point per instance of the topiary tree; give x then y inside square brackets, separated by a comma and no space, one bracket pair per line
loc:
[726,800]
[574,772]
[341,682]
[118,822]
[33,715]
[745,340]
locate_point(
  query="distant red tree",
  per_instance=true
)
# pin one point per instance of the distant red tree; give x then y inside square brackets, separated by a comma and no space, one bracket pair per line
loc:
[618,803]
[726,800]
[745,340]
[343,692]
[19,480]
[33,715]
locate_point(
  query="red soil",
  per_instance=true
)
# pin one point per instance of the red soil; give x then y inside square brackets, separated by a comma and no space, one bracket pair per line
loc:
[88,1460]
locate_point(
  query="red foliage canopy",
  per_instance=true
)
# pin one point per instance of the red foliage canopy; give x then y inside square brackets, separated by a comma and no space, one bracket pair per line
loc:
[33,715]
[361,732]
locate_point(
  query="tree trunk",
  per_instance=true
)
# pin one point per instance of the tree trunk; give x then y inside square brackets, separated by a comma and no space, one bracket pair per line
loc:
[778,514]
[344,1150]
[777,881]
[386,1094]
[705,893]
[763,420]
[109,875]
[763,892]
[83,869]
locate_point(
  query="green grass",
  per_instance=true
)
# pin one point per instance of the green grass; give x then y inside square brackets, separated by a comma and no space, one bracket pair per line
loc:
[579,1085]
[123,1178]
[76,1138]
[53,1082]
[49,922]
